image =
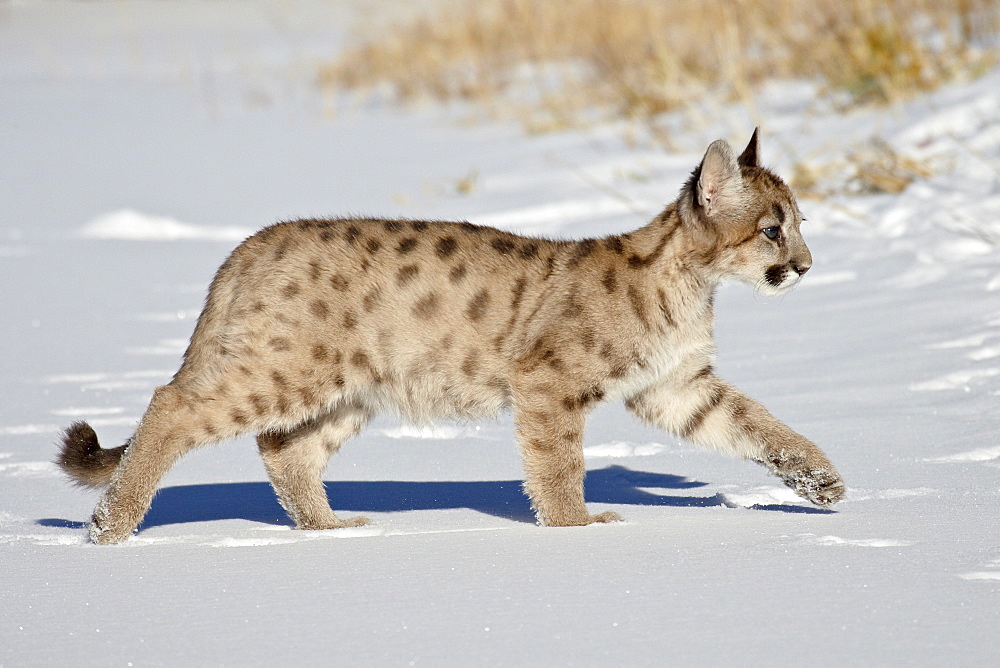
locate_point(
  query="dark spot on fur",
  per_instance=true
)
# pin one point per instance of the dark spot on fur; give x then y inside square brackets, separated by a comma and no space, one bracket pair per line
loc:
[446,246]
[614,244]
[393,225]
[280,251]
[571,305]
[239,418]
[406,274]
[350,320]
[703,373]
[290,290]
[698,417]
[319,309]
[477,305]
[320,353]
[638,262]
[280,343]
[529,251]
[359,359]
[418,225]
[457,273]
[258,306]
[583,399]
[550,267]
[315,270]
[406,245]
[503,246]
[582,250]
[469,227]
[518,293]
[339,283]
[351,234]
[635,301]
[427,306]
[778,212]
[610,280]
[371,299]
[372,245]
[665,307]
[260,405]
[471,363]
[309,395]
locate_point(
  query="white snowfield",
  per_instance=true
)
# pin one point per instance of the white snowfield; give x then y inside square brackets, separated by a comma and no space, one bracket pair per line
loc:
[139,141]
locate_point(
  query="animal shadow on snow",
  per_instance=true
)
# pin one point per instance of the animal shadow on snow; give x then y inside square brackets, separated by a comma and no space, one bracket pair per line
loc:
[256,502]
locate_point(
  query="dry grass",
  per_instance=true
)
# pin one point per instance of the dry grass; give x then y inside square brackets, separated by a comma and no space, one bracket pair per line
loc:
[567,63]
[871,168]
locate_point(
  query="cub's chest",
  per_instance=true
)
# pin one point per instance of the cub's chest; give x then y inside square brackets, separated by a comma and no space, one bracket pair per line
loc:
[674,355]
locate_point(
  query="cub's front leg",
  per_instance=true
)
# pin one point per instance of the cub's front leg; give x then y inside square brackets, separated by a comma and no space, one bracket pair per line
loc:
[550,435]
[712,413]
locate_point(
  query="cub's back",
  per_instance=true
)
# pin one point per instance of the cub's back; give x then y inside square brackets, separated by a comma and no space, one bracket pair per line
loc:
[427,311]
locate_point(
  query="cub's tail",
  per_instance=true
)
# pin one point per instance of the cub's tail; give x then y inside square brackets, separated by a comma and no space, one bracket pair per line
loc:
[84,460]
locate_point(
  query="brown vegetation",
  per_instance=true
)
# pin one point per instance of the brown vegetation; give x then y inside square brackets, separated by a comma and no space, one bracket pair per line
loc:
[557,64]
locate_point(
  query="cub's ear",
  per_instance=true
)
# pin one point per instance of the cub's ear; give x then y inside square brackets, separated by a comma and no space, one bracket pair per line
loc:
[719,185]
[751,154]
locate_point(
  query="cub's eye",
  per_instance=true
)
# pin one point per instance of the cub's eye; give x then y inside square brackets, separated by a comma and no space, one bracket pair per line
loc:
[771,232]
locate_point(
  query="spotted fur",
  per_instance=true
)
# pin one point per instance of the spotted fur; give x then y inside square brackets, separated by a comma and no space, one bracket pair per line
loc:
[312,327]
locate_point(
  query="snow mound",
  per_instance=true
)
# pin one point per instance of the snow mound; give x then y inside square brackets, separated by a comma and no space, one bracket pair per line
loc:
[762,496]
[29,469]
[982,575]
[979,455]
[132,225]
[857,542]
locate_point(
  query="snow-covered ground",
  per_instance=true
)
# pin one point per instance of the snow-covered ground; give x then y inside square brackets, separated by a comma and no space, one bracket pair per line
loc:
[140,141]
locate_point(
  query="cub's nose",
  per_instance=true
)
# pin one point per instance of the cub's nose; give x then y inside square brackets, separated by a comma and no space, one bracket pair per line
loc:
[800,267]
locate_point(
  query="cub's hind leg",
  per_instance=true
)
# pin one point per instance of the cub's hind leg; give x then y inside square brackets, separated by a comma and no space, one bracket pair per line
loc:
[175,422]
[295,461]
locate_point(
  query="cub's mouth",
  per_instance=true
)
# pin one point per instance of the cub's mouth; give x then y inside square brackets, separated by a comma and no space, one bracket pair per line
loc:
[779,278]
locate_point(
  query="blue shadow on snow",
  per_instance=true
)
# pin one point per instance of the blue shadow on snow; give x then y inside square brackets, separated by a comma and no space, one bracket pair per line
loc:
[256,501]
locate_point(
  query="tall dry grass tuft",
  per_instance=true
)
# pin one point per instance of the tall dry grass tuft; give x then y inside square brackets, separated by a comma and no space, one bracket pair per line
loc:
[567,63]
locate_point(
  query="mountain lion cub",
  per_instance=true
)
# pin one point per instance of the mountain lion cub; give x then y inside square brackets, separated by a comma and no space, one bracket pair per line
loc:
[311,327]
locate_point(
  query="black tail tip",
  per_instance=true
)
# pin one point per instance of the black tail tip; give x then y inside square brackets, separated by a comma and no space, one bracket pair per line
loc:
[79,454]
[79,440]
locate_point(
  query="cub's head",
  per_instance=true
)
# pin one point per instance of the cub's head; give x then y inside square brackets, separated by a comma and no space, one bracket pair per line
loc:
[743,219]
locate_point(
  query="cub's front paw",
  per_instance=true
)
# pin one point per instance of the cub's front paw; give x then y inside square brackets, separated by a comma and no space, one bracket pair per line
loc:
[808,472]
[822,486]
[605,517]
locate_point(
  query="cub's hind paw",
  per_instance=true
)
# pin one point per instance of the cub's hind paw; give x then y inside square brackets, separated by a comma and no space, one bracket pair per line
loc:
[335,523]
[605,517]
[107,536]
[358,521]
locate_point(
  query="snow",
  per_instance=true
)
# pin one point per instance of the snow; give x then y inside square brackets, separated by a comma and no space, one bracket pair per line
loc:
[141,140]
